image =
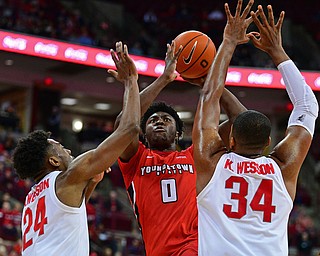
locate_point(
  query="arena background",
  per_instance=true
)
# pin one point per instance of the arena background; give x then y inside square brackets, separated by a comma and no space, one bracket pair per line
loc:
[59,94]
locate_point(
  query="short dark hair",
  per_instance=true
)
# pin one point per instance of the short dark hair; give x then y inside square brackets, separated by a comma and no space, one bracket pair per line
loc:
[251,128]
[162,107]
[30,154]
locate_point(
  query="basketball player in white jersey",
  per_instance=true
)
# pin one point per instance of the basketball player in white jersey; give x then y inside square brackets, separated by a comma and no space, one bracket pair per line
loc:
[244,198]
[54,220]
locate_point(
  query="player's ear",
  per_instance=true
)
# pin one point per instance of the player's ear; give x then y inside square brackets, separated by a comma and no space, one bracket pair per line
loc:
[144,136]
[269,141]
[54,161]
[231,142]
[178,137]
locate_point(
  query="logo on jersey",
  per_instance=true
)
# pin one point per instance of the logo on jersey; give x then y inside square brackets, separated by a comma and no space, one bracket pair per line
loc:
[301,118]
[167,169]
[189,58]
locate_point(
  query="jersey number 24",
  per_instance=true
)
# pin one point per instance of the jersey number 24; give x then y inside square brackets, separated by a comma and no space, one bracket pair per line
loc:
[36,222]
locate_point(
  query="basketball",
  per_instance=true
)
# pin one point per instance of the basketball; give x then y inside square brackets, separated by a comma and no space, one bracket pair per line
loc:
[197,54]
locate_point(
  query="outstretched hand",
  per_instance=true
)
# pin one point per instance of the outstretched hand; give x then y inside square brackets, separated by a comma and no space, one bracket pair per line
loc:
[126,68]
[171,61]
[237,25]
[269,37]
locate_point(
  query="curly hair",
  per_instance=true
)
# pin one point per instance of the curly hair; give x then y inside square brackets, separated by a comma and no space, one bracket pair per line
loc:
[30,154]
[162,107]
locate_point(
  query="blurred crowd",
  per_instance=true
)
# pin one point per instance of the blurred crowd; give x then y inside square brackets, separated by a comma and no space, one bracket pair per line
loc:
[154,24]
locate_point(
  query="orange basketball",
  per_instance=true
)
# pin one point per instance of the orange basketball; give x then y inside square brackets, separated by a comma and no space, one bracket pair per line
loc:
[197,54]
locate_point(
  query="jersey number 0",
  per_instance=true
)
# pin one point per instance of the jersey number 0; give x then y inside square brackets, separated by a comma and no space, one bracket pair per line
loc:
[169,190]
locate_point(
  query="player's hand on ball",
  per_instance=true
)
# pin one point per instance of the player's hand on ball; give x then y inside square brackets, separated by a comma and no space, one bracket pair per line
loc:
[171,61]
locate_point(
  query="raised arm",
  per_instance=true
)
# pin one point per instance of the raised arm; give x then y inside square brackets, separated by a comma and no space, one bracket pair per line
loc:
[233,107]
[150,93]
[83,168]
[208,145]
[290,153]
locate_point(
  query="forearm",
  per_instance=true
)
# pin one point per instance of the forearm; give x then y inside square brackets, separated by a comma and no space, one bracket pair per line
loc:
[150,93]
[278,55]
[305,105]
[231,105]
[90,188]
[218,71]
[131,105]
[214,84]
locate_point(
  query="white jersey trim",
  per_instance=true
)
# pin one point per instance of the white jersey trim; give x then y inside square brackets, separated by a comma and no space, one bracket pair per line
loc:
[57,201]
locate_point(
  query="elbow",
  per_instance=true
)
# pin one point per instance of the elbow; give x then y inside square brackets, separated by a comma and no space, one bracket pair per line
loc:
[135,129]
[131,130]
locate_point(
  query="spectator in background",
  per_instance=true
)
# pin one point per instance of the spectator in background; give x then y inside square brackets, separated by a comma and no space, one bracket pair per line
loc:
[3,250]
[135,248]
[113,204]
[150,17]
[54,121]
[83,37]
[304,244]
[113,207]
[8,230]
[216,15]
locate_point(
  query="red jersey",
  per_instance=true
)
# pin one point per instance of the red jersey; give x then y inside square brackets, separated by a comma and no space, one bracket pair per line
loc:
[162,189]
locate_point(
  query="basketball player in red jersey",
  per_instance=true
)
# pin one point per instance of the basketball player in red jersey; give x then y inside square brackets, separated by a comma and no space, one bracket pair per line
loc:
[161,181]
[54,219]
[245,198]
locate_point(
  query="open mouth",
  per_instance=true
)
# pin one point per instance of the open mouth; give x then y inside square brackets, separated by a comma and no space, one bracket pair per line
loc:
[159,129]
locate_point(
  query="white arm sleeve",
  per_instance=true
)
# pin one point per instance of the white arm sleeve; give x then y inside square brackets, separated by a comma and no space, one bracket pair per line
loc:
[305,105]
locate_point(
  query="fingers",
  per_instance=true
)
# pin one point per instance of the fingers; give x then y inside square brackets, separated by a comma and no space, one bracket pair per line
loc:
[173,46]
[113,73]
[254,16]
[126,56]
[125,50]
[120,50]
[168,48]
[247,9]
[227,10]
[176,55]
[270,15]
[239,7]
[262,15]
[280,21]
[255,39]
[113,56]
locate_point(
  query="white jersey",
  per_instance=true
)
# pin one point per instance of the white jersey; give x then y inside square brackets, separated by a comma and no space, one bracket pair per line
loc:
[244,209]
[50,227]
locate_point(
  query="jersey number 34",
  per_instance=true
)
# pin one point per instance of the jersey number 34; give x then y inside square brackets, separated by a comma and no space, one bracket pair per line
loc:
[263,191]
